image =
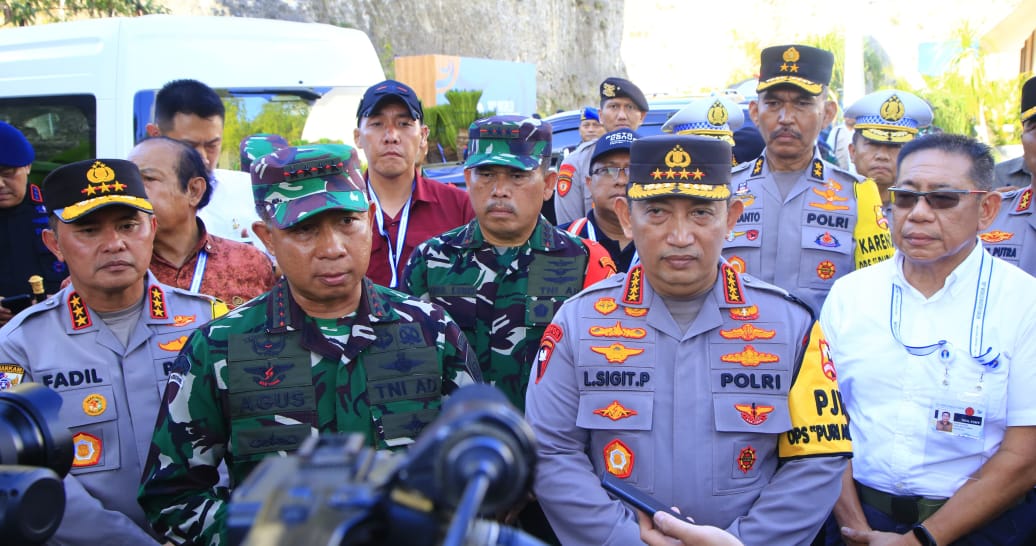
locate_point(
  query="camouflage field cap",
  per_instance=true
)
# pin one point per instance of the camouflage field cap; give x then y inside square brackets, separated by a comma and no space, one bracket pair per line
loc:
[1028,99]
[680,166]
[890,115]
[513,141]
[77,189]
[292,184]
[255,146]
[805,67]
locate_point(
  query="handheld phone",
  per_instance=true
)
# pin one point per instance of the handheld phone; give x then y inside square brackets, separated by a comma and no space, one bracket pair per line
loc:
[635,497]
[16,304]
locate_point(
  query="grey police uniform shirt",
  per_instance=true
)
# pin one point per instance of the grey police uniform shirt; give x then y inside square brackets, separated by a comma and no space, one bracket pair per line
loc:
[1012,235]
[668,412]
[577,200]
[1012,172]
[807,240]
[110,398]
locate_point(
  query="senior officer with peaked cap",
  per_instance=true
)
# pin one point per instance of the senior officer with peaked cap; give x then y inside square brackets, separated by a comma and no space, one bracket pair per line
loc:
[806,222]
[716,117]
[623,106]
[105,343]
[1012,236]
[705,388]
[885,121]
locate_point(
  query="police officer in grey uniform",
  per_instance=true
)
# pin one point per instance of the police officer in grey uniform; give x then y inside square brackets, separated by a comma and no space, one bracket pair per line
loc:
[885,121]
[1012,236]
[622,106]
[685,378]
[105,343]
[806,222]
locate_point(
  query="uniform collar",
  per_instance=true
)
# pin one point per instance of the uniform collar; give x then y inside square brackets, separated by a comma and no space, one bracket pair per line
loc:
[816,171]
[156,311]
[960,282]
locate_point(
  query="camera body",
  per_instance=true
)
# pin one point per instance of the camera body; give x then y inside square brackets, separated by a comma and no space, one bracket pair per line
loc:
[476,459]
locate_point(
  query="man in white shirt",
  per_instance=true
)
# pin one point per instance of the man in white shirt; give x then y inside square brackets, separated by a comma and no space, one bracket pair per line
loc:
[943,327]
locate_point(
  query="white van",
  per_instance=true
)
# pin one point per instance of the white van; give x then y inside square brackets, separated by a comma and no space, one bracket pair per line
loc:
[86,88]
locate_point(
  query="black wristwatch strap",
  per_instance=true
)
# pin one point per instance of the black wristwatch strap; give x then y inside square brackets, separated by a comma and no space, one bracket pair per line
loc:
[923,536]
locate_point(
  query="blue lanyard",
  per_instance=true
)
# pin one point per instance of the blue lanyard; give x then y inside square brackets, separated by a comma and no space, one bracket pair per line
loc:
[944,347]
[394,254]
[199,270]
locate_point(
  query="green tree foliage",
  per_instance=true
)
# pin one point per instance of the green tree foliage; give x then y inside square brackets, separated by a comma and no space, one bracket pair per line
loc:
[21,13]
[876,72]
[286,118]
[445,120]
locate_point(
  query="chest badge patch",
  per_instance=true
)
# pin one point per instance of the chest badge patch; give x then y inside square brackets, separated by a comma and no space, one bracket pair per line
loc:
[616,353]
[618,331]
[173,345]
[745,313]
[183,320]
[995,236]
[615,411]
[606,306]
[750,357]
[635,312]
[754,414]
[87,450]
[746,459]
[747,332]
[618,459]
[826,270]
[95,404]
[10,375]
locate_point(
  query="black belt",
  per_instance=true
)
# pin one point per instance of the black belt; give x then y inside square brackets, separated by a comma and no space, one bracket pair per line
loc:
[904,509]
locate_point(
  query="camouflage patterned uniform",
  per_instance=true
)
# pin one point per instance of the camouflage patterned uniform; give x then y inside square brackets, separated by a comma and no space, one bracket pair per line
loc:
[265,377]
[268,376]
[503,302]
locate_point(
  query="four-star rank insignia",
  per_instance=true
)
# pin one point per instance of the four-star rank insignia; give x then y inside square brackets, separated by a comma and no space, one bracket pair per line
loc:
[745,313]
[616,353]
[750,358]
[634,291]
[747,332]
[1025,201]
[746,459]
[156,302]
[606,306]
[733,292]
[618,459]
[615,411]
[754,414]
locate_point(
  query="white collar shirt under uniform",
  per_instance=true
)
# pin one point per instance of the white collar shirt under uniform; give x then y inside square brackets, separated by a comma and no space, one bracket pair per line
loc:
[891,395]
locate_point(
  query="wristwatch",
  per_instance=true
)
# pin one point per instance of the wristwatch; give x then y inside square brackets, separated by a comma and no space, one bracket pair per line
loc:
[923,536]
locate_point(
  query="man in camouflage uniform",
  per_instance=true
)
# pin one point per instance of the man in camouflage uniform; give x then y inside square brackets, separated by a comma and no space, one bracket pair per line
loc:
[105,343]
[806,222]
[502,276]
[705,388]
[325,350]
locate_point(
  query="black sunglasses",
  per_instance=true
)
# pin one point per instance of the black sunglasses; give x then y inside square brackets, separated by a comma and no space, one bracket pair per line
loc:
[938,199]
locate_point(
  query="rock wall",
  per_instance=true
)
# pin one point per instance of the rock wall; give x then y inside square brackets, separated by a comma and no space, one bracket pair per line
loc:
[574,43]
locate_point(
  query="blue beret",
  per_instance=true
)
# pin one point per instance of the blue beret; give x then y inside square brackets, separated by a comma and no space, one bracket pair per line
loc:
[15,150]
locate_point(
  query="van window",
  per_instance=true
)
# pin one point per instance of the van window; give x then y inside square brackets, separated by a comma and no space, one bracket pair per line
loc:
[61,128]
[248,111]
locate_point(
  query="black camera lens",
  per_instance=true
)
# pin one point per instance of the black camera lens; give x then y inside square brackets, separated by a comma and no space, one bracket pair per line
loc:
[29,434]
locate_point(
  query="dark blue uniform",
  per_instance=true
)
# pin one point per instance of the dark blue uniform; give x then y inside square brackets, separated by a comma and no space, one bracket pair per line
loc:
[22,250]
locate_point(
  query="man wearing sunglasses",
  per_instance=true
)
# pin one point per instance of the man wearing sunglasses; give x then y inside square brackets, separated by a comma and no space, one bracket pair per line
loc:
[942,327]
[609,172]
[1012,236]
[806,222]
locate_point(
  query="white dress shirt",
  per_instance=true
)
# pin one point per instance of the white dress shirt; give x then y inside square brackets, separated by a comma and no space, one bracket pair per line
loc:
[892,396]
